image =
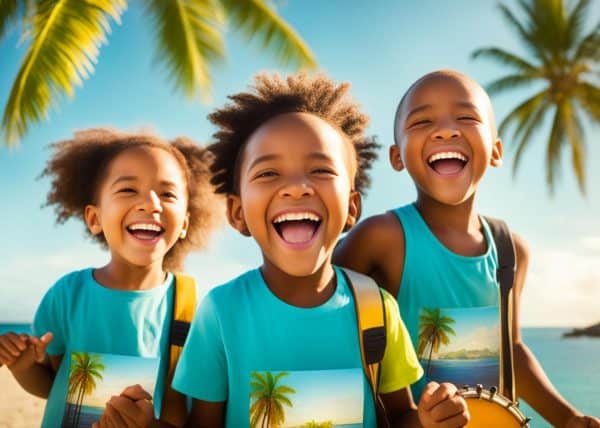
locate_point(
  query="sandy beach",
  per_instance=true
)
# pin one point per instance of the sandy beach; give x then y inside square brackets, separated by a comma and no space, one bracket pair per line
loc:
[18,409]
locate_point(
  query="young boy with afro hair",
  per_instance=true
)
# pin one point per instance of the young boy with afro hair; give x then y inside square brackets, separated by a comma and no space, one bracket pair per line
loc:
[280,343]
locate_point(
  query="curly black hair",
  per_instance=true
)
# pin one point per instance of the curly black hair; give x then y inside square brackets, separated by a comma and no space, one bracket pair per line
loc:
[77,168]
[271,96]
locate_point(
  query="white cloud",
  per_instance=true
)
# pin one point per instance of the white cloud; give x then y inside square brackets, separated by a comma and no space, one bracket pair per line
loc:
[591,243]
[562,289]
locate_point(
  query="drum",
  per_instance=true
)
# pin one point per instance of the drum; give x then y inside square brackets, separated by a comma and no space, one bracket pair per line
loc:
[489,409]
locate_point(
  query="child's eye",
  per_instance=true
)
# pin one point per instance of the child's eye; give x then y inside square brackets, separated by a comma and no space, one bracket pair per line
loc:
[420,122]
[126,190]
[169,195]
[266,174]
[468,118]
[323,171]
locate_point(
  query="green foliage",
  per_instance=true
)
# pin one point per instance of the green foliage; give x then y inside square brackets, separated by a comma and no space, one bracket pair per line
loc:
[565,60]
[65,37]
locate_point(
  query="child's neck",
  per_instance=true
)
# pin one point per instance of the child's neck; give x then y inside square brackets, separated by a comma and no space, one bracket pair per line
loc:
[301,291]
[124,276]
[457,227]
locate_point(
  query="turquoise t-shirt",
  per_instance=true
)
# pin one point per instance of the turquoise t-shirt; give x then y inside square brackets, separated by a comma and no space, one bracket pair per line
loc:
[275,363]
[450,306]
[86,317]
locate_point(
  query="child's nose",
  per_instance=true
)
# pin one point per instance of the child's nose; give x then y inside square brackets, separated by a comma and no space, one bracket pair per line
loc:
[297,188]
[446,132]
[150,202]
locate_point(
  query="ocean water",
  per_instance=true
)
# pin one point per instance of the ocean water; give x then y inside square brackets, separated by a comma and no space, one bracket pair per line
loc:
[464,372]
[573,366]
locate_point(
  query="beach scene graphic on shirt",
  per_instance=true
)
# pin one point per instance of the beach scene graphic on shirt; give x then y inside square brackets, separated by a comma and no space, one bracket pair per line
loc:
[307,399]
[460,345]
[94,378]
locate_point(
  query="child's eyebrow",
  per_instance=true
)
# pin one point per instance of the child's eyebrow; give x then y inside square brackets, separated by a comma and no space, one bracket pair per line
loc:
[467,104]
[123,178]
[418,110]
[262,159]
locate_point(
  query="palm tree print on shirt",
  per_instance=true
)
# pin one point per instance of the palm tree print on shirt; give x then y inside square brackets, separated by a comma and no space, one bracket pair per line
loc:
[86,369]
[267,398]
[434,330]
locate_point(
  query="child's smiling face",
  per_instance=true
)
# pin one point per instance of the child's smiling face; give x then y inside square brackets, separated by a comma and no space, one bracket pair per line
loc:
[141,205]
[295,191]
[446,137]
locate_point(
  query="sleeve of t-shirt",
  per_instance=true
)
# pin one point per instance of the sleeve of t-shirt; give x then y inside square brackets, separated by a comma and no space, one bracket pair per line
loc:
[49,317]
[400,366]
[201,371]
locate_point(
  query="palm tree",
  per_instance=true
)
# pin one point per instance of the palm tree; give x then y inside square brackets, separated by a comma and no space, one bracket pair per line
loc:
[434,329]
[66,36]
[564,60]
[85,370]
[268,398]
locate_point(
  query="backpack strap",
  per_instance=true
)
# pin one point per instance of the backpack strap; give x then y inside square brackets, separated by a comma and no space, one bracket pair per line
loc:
[174,406]
[370,314]
[505,275]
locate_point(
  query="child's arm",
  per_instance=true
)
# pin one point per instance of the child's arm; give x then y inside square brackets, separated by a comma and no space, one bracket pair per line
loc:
[532,384]
[25,356]
[206,414]
[401,409]
[375,247]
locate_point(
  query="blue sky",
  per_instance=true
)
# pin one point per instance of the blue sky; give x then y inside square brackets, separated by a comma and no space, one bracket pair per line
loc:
[380,47]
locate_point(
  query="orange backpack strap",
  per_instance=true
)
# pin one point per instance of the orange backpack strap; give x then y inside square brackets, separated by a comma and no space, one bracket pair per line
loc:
[370,314]
[174,408]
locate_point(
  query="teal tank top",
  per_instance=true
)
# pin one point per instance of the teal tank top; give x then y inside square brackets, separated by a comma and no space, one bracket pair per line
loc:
[450,306]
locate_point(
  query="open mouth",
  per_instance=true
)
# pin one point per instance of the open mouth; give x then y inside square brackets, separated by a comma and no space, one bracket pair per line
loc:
[447,163]
[145,231]
[298,227]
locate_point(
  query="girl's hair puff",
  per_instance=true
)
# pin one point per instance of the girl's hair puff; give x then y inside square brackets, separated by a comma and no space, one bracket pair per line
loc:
[78,166]
[272,96]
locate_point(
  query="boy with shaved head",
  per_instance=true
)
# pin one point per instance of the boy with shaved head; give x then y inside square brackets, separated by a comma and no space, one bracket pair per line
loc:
[438,256]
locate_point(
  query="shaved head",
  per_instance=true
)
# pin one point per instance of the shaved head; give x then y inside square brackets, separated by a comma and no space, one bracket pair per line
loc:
[437,77]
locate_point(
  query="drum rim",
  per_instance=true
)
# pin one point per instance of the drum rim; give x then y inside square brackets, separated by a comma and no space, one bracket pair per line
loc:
[473,393]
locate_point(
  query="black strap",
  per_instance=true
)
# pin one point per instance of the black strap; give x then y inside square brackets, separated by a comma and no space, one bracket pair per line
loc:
[505,274]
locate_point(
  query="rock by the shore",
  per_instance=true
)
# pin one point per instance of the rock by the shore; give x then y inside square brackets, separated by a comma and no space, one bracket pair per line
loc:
[591,331]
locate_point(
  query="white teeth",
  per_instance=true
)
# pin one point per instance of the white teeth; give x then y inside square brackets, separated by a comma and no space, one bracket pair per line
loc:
[296,217]
[145,226]
[447,155]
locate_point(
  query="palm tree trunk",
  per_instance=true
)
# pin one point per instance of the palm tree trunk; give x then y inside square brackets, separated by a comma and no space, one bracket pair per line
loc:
[430,340]
[80,404]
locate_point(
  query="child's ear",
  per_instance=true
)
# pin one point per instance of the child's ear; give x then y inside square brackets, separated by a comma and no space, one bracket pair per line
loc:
[354,210]
[92,219]
[496,159]
[396,158]
[186,225]
[235,214]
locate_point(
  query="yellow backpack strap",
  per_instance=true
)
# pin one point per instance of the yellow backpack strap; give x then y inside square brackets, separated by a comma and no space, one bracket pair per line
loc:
[370,314]
[174,409]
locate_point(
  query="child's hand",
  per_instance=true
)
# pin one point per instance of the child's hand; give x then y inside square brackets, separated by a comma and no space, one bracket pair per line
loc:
[442,406]
[132,409]
[583,422]
[21,351]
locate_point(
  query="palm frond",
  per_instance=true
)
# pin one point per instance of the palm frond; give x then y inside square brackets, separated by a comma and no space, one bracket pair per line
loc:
[574,25]
[8,15]
[510,82]
[553,151]
[589,47]
[524,33]
[574,133]
[532,125]
[588,96]
[523,111]
[66,35]
[257,19]
[506,58]
[189,41]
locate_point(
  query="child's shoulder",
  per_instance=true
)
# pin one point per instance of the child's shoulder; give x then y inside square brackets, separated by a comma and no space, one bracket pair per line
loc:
[234,288]
[72,279]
